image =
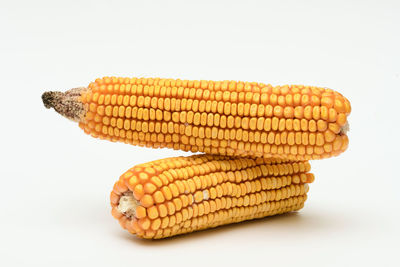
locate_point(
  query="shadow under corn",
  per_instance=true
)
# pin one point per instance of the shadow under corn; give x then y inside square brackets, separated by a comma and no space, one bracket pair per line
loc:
[293,221]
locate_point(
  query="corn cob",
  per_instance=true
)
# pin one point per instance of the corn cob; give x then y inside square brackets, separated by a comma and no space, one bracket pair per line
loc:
[179,195]
[226,118]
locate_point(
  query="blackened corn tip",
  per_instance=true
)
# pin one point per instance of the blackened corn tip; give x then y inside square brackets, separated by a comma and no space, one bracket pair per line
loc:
[48,99]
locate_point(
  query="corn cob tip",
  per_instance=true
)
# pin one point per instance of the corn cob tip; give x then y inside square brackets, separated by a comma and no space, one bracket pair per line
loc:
[66,103]
[48,98]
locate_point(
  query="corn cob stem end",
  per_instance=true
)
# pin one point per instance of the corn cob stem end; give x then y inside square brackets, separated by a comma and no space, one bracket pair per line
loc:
[345,128]
[66,103]
[127,205]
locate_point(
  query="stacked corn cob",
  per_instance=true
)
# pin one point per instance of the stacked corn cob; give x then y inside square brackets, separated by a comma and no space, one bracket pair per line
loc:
[257,139]
[180,195]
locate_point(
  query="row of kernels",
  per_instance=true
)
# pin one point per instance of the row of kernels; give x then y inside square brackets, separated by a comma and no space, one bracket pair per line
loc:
[216,207]
[117,82]
[207,135]
[205,222]
[214,146]
[232,148]
[295,152]
[196,218]
[207,145]
[244,188]
[257,95]
[272,137]
[259,129]
[239,164]
[221,215]
[260,161]
[226,85]
[218,85]
[302,178]
[194,170]
[190,185]
[203,174]
[305,152]
[142,130]
[275,182]
[121,104]
[208,221]
[244,195]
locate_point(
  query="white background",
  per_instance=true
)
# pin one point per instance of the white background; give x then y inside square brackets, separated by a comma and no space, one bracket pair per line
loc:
[55,180]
